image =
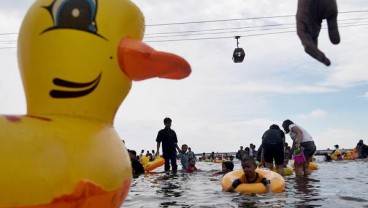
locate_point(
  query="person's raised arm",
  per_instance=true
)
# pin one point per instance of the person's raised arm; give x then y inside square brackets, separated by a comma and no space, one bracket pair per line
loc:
[309,16]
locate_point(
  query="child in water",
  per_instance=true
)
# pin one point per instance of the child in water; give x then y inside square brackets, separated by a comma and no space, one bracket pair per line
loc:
[191,167]
[250,175]
[227,166]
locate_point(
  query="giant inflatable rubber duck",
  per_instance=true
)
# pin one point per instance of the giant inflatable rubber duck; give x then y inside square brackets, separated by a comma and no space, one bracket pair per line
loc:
[77,60]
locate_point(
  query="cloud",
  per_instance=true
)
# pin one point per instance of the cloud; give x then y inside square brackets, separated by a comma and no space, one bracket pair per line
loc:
[345,138]
[223,105]
[365,96]
[317,113]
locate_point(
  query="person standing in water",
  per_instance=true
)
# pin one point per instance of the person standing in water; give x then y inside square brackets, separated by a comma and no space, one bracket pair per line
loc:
[273,142]
[301,139]
[169,141]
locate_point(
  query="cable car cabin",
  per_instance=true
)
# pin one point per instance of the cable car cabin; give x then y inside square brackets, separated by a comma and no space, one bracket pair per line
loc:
[238,55]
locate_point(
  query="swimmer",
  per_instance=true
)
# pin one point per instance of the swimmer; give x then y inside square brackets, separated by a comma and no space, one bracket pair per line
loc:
[250,175]
[227,166]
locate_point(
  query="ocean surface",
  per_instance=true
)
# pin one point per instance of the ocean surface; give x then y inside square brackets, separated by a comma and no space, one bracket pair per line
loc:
[334,184]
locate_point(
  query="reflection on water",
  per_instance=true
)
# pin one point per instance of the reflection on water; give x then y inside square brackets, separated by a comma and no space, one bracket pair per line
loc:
[335,184]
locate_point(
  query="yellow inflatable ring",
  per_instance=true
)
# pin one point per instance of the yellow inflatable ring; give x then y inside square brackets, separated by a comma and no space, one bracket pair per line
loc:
[287,171]
[312,165]
[277,182]
[158,162]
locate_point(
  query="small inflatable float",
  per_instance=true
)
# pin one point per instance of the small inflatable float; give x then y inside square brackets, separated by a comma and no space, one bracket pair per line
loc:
[287,171]
[158,162]
[277,182]
[312,165]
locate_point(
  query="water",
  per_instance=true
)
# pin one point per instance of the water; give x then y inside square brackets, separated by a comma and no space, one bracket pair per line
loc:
[334,184]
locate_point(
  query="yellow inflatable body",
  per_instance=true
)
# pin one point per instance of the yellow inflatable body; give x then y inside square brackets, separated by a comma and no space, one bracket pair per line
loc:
[145,160]
[349,155]
[312,165]
[337,155]
[158,162]
[77,61]
[277,182]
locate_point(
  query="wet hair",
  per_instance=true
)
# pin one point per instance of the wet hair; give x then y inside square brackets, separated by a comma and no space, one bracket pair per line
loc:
[167,120]
[250,160]
[286,124]
[274,126]
[229,165]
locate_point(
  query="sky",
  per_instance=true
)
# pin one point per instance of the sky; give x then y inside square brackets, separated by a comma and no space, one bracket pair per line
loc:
[223,105]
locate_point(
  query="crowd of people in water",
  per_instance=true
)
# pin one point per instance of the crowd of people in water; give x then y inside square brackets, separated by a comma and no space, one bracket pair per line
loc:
[360,151]
[273,153]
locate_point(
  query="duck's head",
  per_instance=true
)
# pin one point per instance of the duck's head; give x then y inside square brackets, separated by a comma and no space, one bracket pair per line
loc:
[78,57]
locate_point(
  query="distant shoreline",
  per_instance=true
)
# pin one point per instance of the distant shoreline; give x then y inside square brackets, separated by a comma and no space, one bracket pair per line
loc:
[318,152]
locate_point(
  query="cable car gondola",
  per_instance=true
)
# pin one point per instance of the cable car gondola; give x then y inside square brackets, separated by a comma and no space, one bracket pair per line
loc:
[239,54]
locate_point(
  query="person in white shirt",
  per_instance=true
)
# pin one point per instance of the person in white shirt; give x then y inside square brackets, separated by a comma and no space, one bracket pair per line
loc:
[301,139]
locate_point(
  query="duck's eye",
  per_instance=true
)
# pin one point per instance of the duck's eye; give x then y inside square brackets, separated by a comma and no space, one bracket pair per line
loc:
[75,14]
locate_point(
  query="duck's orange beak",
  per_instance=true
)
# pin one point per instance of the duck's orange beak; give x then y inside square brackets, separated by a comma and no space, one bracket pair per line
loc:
[139,61]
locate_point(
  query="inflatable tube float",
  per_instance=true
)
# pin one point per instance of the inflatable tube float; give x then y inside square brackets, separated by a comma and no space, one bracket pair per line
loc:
[287,171]
[218,160]
[355,153]
[350,155]
[158,162]
[312,165]
[77,61]
[277,182]
[145,160]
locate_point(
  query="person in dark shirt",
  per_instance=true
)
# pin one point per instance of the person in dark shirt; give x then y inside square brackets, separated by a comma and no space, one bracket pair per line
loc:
[273,141]
[240,153]
[137,167]
[169,141]
[362,149]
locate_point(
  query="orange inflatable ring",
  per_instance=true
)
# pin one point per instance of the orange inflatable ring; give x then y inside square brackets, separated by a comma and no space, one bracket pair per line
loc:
[277,182]
[158,162]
